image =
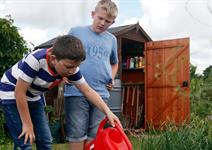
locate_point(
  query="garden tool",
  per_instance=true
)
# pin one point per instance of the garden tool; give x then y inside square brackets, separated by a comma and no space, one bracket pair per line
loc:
[110,138]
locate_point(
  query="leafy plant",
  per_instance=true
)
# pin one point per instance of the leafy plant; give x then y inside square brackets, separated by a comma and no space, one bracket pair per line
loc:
[51,114]
[201,92]
[12,45]
[3,135]
[54,124]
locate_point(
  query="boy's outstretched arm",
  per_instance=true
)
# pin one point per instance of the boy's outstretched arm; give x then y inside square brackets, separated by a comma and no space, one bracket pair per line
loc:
[21,102]
[94,98]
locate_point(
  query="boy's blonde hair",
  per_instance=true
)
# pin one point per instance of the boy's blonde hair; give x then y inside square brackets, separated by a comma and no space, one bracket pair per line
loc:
[109,6]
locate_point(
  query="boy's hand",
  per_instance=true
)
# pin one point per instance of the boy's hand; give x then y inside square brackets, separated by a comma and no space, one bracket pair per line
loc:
[112,118]
[27,131]
[110,85]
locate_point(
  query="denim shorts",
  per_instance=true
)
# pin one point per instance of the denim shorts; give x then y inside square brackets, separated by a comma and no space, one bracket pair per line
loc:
[40,124]
[81,119]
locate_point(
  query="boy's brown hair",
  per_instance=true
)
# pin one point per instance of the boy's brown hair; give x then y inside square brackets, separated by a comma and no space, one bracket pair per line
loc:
[109,6]
[68,47]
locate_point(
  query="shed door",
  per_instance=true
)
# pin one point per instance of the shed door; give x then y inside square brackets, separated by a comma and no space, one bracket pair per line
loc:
[167,82]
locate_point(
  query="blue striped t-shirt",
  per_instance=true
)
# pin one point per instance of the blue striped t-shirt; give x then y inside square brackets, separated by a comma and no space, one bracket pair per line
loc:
[34,69]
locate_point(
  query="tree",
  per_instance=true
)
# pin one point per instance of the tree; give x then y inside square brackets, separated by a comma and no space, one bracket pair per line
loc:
[201,91]
[12,45]
[193,71]
[208,74]
[208,83]
[196,83]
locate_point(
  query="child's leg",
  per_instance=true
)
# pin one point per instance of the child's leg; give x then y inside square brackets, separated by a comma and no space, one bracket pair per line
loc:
[15,126]
[96,116]
[76,117]
[43,136]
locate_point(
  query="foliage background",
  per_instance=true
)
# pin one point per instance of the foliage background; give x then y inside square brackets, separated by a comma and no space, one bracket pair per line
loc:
[12,49]
[12,45]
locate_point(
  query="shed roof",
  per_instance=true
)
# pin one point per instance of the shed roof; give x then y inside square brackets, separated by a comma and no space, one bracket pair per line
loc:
[46,44]
[114,30]
[126,28]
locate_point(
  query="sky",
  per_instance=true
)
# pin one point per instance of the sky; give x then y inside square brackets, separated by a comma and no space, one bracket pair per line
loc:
[41,20]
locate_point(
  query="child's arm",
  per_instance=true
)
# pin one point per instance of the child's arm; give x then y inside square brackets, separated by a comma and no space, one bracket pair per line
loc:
[21,102]
[94,98]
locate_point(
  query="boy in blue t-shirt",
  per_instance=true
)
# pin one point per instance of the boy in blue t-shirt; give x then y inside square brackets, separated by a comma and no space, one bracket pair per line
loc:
[23,85]
[99,70]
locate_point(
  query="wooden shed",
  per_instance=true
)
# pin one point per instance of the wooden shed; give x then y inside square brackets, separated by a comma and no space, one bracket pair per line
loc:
[155,77]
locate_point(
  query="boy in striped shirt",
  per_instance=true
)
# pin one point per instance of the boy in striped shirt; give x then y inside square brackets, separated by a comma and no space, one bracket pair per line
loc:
[23,85]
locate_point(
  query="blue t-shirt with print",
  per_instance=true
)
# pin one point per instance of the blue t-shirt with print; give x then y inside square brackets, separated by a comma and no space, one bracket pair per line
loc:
[101,52]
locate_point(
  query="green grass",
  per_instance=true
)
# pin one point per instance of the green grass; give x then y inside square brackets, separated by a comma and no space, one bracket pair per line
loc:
[197,135]
[55,147]
[194,136]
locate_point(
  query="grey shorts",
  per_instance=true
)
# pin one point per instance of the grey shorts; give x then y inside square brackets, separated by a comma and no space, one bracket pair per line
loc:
[81,119]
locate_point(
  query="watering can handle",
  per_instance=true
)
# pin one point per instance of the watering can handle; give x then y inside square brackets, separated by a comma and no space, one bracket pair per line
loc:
[118,127]
[102,124]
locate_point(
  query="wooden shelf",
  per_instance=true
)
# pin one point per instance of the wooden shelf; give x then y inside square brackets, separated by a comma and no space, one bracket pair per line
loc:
[132,83]
[133,69]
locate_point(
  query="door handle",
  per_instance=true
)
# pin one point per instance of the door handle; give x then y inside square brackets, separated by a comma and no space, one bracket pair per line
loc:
[185,84]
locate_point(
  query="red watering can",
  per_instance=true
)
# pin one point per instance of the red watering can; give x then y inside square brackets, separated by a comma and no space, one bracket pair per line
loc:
[110,138]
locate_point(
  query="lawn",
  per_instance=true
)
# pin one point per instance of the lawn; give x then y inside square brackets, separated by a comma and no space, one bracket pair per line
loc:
[55,147]
[194,136]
